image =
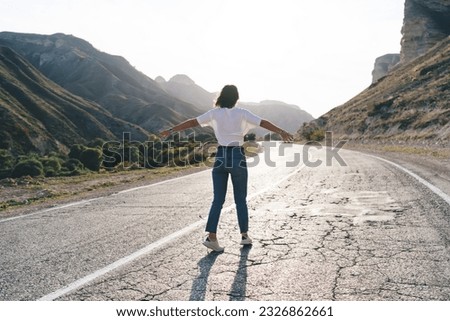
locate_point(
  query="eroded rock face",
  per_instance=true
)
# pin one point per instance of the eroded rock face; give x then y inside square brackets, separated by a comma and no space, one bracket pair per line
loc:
[426,22]
[383,65]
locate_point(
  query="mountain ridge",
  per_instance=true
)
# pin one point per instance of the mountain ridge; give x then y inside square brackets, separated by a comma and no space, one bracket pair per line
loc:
[111,94]
[106,79]
[288,116]
[38,115]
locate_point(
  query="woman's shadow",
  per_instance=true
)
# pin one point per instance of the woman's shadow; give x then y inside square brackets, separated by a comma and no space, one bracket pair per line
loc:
[239,286]
[198,290]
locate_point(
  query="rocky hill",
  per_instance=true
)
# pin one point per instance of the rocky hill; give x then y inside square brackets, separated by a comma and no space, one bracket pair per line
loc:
[409,105]
[38,115]
[425,23]
[383,65]
[409,100]
[108,80]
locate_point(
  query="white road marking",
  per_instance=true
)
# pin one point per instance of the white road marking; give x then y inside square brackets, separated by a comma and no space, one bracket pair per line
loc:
[95,199]
[151,247]
[50,209]
[433,188]
[156,184]
[145,250]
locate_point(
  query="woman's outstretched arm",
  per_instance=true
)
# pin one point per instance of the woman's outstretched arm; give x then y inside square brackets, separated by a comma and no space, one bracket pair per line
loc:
[284,134]
[181,126]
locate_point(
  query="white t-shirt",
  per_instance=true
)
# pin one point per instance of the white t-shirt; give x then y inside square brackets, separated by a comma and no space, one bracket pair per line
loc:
[230,124]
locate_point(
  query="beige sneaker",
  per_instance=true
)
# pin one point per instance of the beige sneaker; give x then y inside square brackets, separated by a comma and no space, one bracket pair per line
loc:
[246,240]
[213,245]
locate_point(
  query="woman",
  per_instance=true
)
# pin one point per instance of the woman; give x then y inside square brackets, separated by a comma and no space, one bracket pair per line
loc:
[230,125]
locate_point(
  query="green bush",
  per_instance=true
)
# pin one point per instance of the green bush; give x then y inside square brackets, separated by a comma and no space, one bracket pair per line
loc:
[92,158]
[52,166]
[131,154]
[77,172]
[73,164]
[76,151]
[6,159]
[272,136]
[196,156]
[250,137]
[30,166]
[50,172]
[317,135]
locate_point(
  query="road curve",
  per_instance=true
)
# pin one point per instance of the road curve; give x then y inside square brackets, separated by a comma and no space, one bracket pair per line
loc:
[364,231]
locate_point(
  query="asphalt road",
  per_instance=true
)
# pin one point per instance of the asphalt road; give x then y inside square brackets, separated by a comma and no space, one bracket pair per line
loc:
[364,231]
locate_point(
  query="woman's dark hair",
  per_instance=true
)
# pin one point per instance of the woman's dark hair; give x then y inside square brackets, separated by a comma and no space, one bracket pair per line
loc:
[228,97]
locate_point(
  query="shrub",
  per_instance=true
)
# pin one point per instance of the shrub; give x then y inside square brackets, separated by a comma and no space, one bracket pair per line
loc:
[196,156]
[76,150]
[112,154]
[52,166]
[91,158]
[77,172]
[72,164]
[272,136]
[312,132]
[317,135]
[250,137]
[30,166]
[50,172]
[6,159]
[131,153]
[5,173]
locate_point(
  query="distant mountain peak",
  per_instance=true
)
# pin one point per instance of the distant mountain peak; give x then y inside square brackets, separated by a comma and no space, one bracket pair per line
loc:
[272,102]
[160,80]
[182,79]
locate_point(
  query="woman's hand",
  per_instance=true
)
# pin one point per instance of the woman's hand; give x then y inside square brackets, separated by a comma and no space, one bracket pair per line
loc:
[286,136]
[165,133]
[182,126]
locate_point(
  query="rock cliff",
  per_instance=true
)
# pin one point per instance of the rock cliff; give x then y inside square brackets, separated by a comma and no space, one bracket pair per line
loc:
[408,106]
[426,22]
[383,65]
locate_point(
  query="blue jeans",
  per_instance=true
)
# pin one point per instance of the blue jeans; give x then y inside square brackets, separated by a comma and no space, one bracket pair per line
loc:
[230,161]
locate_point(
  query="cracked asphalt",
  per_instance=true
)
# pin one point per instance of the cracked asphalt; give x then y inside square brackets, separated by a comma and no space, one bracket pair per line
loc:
[365,231]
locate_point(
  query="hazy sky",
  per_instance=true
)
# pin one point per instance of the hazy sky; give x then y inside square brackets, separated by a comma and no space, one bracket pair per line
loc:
[315,54]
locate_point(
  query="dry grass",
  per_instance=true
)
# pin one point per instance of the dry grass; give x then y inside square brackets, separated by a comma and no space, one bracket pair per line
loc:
[428,151]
